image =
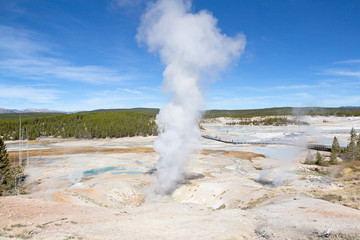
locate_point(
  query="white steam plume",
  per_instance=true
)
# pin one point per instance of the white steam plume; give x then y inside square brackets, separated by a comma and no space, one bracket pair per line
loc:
[191,46]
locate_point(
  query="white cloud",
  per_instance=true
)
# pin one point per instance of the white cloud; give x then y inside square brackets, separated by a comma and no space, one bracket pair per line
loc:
[118,98]
[340,83]
[131,91]
[24,55]
[245,100]
[129,7]
[151,89]
[11,7]
[343,72]
[291,87]
[31,94]
[124,3]
[279,88]
[351,61]
[19,42]
[128,3]
[352,69]
[339,100]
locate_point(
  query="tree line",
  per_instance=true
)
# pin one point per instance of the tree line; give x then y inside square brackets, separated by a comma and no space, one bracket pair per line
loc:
[296,111]
[81,125]
[350,153]
[269,121]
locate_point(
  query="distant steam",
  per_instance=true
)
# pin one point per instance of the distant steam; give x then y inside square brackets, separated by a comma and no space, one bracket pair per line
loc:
[192,47]
[75,175]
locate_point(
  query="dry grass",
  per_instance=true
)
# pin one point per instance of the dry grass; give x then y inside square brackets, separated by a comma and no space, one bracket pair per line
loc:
[332,236]
[234,154]
[348,196]
[19,230]
[254,202]
[348,176]
[349,171]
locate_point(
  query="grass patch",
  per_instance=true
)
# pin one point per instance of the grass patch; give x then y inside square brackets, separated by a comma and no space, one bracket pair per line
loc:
[319,174]
[19,225]
[16,231]
[259,200]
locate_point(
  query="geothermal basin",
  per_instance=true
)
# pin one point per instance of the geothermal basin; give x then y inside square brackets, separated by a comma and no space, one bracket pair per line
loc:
[102,189]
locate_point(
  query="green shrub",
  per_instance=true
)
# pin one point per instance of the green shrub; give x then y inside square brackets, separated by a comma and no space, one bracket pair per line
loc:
[335,151]
[352,151]
[320,160]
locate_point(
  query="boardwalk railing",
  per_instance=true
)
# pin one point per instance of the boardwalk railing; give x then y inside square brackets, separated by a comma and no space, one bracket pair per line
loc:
[238,142]
[319,147]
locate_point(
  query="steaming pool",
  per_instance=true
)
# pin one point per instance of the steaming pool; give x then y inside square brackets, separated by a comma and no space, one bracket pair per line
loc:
[113,170]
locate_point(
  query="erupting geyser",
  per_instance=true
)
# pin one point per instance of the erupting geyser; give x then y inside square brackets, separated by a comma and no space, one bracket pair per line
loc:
[192,47]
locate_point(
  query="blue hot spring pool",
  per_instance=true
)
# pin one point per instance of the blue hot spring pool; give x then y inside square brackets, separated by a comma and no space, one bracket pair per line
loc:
[117,171]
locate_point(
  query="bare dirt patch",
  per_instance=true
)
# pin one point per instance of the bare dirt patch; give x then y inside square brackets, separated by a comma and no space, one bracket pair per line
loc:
[234,154]
[14,155]
[80,150]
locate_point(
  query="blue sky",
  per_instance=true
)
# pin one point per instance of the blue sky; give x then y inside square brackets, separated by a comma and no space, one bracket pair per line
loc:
[82,55]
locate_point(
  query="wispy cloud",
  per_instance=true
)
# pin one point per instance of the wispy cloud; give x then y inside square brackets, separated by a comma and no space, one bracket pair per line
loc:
[340,100]
[340,83]
[127,3]
[342,72]
[350,68]
[131,8]
[120,98]
[11,7]
[259,101]
[19,42]
[152,89]
[24,55]
[351,61]
[130,91]
[279,88]
[291,87]
[30,94]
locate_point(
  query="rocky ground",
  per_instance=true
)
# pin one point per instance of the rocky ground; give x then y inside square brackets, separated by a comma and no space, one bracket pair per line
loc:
[103,189]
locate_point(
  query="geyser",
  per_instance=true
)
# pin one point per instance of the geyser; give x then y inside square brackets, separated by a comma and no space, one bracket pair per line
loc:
[192,47]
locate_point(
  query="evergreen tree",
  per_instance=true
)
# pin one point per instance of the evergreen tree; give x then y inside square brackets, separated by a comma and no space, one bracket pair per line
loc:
[84,125]
[357,149]
[351,148]
[335,150]
[335,147]
[4,165]
[320,159]
[10,177]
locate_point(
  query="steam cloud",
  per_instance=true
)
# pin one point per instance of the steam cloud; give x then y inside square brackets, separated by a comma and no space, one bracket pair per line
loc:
[192,47]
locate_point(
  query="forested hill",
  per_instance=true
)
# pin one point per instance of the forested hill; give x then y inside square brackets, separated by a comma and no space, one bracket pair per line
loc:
[16,116]
[82,125]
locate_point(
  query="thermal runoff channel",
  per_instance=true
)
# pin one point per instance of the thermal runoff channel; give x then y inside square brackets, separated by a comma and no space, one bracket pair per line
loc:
[193,48]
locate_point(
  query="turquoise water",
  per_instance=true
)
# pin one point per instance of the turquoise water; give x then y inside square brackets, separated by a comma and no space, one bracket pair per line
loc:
[97,171]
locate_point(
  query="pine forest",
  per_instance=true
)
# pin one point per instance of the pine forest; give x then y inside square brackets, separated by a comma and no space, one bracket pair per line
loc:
[81,125]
